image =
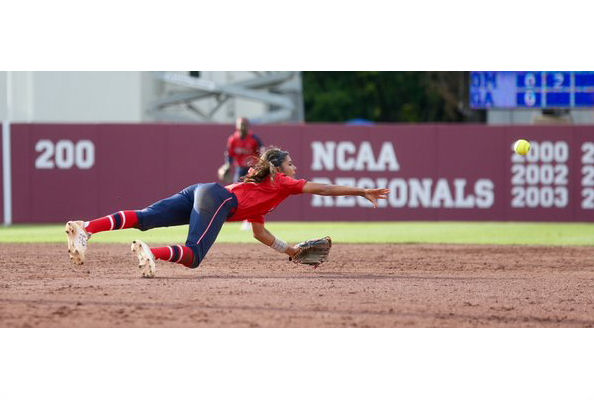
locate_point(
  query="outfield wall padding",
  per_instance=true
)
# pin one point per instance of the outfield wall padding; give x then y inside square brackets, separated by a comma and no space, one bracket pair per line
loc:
[435,172]
[1,173]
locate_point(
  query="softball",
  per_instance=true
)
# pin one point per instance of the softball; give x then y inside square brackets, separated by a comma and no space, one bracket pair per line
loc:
[522,147]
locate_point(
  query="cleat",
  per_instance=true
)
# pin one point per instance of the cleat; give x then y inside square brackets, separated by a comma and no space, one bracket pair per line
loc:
[146,259]
[77,241]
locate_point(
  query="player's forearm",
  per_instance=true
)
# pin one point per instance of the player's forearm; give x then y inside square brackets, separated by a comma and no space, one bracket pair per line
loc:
[228,156]
[335,190]
[267,238]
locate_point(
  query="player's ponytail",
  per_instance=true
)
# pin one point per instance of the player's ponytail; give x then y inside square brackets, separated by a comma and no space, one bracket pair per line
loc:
[266,166]
[271,169]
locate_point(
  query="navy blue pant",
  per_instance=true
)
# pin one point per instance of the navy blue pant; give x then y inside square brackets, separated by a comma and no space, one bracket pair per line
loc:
[205,206]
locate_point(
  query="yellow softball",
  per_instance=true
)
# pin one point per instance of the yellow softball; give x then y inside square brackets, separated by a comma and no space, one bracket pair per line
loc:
[522,147]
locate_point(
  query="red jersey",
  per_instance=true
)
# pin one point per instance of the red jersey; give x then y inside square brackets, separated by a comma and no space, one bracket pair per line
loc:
[243,149]
[257,199]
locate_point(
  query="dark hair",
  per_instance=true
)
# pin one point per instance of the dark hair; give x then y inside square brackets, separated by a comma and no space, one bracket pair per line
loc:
[240,121]
[266,165]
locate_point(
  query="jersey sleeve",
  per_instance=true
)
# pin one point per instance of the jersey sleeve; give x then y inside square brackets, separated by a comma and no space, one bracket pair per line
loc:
[259,142]
[290,185]
[230,147]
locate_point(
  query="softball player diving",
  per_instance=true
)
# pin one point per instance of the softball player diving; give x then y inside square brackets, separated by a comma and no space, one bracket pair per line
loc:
[206,206]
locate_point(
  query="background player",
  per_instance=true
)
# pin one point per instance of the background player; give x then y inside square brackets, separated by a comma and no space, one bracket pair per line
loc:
[205,207]
[243,147]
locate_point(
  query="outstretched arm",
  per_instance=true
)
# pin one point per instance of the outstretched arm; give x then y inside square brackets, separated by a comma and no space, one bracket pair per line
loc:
[334,190]
[264,236]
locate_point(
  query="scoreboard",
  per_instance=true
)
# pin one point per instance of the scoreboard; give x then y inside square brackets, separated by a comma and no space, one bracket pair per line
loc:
[532,89]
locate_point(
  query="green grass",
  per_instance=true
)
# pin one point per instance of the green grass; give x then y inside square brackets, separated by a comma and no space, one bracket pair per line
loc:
[344,232]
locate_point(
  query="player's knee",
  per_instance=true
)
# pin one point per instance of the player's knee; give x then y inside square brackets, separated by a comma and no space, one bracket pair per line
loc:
[194,262]
[146,220]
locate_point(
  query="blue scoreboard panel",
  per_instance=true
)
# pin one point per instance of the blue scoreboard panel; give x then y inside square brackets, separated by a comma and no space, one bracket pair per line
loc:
[533,89]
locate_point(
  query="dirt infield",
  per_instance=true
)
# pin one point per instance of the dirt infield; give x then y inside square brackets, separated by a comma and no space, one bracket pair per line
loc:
[251,286]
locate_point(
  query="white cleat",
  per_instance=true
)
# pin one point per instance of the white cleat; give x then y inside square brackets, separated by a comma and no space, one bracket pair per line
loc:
[146,259]
[77,241]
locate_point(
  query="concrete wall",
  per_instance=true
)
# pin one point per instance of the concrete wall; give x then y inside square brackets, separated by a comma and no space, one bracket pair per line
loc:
[73,96]
[531,117]
[108,96]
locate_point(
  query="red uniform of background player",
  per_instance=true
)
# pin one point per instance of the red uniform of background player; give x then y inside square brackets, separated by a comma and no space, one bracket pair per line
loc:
[243,150]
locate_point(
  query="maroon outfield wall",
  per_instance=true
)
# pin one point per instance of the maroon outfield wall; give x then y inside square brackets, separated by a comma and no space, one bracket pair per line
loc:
[435,172]
[1,175]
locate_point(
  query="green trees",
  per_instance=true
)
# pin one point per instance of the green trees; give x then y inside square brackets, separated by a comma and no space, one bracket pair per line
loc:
[387,96]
